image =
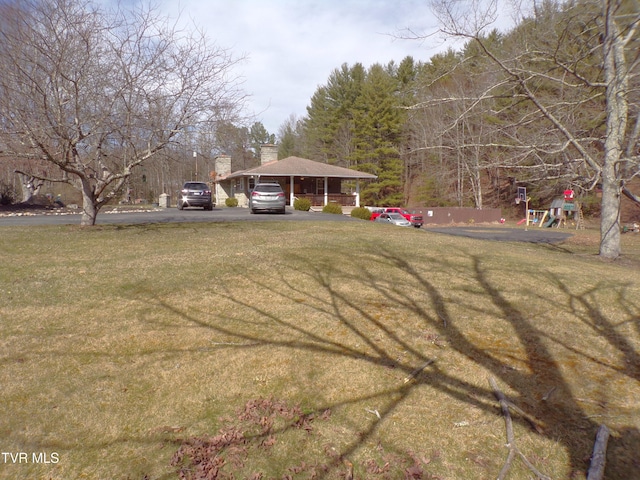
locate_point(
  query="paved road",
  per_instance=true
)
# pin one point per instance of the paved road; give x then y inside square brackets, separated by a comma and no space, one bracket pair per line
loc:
[172,215]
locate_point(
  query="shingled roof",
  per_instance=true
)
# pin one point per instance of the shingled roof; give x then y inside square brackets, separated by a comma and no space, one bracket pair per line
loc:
[300,167]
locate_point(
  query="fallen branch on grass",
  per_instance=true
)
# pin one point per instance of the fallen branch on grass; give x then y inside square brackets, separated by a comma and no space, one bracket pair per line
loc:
[598,459]
[532,421]
[511,439]
[415,373]
[374,412]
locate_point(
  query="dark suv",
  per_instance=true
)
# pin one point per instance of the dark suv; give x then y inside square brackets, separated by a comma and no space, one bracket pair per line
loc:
[195,194]
[267,197]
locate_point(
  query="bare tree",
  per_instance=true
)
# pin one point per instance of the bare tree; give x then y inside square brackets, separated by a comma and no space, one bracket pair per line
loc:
[291,137]
[30,185]
[572,73]
[457,127]
[98,93]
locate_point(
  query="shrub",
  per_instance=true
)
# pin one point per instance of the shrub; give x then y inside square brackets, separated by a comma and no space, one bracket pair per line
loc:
[361,212]
[231,202]
[332,207]
[303,204]
[7,194]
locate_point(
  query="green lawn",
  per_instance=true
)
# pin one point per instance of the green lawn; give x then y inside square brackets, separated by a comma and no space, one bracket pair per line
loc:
[133,352]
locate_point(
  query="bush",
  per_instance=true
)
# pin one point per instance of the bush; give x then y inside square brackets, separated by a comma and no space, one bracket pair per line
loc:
[303,204]
[332,207]
[231,202]
[361,212]
[7,194]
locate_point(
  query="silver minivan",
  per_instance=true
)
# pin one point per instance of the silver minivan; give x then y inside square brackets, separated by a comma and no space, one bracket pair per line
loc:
[267,197]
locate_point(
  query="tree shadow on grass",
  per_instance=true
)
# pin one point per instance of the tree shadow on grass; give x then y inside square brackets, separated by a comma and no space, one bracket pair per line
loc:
[418,288]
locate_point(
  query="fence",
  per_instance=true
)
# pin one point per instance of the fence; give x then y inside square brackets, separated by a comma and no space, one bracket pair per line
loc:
[446,215]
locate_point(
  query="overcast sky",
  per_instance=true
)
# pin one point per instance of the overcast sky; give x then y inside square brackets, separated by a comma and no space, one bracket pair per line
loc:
[293,46]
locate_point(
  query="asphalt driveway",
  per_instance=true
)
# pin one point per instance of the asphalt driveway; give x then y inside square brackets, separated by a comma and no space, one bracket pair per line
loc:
[506,234]
[164,215]
[534,234]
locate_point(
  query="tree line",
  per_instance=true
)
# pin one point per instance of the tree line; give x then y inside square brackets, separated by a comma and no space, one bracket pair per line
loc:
[551,105]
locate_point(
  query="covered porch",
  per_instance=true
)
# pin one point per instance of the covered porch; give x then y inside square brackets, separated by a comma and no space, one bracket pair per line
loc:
[344,199]
[318,190]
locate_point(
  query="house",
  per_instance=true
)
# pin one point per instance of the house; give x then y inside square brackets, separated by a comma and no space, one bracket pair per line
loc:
[299,177]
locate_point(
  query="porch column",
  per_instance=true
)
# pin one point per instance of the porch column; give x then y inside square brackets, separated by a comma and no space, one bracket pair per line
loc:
[291,191]
[326,190]
[357,192]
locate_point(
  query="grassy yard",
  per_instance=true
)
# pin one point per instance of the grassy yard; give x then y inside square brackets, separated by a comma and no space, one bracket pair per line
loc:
[270,349]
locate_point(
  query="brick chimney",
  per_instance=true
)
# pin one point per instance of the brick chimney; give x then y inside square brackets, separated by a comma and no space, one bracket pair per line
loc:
[268,153]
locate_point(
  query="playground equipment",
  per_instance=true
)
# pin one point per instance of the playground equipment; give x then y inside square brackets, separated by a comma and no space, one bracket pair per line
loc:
[558,214]
[537,217]
[522,196]
[566,207]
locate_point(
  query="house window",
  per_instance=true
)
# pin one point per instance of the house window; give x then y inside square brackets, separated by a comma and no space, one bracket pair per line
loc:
[252,183]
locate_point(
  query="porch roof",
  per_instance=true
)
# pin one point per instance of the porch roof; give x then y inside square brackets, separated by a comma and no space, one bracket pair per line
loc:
[299,167]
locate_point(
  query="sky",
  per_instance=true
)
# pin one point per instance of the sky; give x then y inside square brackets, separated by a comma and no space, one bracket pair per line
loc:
[292,46]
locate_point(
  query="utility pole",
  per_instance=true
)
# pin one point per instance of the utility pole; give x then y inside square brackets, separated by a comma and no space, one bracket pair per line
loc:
[195,156]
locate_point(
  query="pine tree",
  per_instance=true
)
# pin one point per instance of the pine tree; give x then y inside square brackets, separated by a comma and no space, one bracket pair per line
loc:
[329,125]
[378,126]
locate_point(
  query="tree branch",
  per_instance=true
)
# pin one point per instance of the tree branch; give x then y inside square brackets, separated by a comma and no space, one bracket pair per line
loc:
[511,439]
[599,457]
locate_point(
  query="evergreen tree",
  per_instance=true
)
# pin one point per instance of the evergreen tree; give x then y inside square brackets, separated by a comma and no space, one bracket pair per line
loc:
[258,136]
[378,126]
[355,120]
[329,125]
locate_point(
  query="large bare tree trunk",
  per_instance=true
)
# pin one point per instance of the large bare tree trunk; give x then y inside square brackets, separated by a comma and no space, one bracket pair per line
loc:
[617,81]
[89,205]
[610,212]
